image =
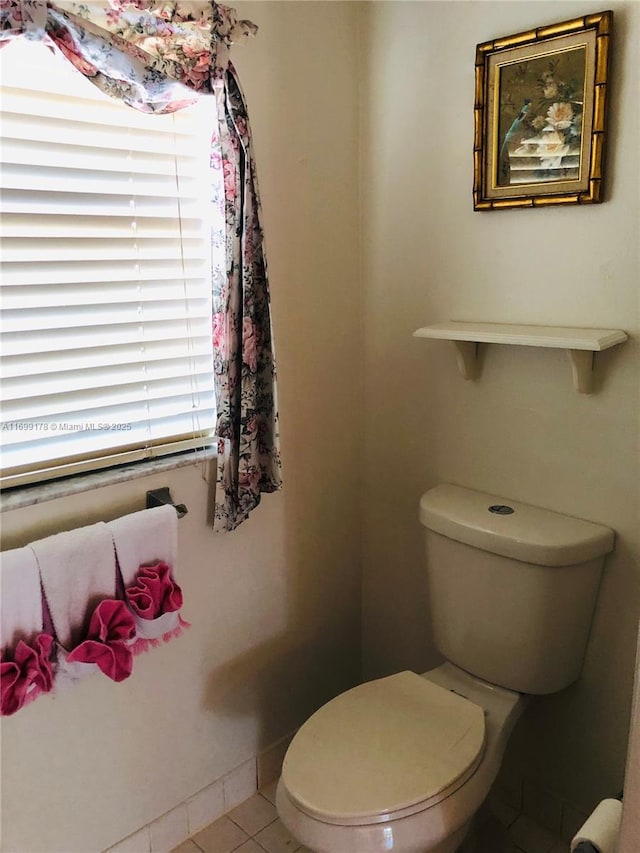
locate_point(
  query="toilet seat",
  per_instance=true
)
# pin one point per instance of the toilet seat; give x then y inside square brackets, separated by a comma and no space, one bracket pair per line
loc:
[401,743]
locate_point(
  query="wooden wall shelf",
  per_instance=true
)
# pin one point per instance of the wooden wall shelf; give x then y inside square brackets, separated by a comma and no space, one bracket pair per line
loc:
[580,344]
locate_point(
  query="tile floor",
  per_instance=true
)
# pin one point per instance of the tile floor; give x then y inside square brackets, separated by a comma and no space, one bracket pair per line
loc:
[254,827]
[497,833]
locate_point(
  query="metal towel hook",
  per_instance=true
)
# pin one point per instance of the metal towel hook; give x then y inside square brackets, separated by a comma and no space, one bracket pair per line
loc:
[162,497]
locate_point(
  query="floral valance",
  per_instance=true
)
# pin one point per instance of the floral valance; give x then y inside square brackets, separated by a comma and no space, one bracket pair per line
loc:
[145,52]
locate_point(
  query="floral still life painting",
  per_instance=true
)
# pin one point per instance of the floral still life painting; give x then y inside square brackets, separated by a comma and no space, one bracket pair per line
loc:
[540,119]
[540,115]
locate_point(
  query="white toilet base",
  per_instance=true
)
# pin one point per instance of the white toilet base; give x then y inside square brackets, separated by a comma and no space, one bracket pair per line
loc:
[407,834]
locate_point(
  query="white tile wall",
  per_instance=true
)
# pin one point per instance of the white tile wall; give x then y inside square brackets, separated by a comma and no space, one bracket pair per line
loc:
[139,842]
[240,784]
[269,793]
[205,806]
[270,761]
[500,828]
[168,831]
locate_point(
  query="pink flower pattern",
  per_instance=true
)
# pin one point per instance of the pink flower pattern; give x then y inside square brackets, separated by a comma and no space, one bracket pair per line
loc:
[249,344]
[106,644]
[28,675]
[154,592]
[229,172]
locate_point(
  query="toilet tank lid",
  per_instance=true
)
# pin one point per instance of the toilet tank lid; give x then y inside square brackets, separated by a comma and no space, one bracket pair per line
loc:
[512,529]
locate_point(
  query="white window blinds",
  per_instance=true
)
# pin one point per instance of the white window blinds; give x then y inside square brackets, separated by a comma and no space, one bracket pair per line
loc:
[106,267]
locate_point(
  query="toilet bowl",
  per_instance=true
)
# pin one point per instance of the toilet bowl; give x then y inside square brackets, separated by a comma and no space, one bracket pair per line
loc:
[434,746]
[402,763]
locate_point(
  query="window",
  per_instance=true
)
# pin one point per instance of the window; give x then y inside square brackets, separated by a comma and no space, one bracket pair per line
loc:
[106,274]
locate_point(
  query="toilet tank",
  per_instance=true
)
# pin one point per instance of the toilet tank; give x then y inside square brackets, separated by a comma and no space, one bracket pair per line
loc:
[512,587]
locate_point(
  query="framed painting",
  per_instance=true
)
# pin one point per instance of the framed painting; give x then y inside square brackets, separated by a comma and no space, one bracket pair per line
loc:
[540,115]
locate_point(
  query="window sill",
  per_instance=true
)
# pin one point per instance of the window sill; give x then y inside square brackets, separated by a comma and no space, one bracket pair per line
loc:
[24,496]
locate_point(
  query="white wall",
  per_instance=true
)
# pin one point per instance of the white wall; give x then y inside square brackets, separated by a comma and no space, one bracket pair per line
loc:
[521,430]
[275,605]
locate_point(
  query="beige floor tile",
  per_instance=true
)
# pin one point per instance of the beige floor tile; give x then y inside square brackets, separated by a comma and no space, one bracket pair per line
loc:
[222,836]
[489,836]
[254,814]
[276,838]
[529,837]
[250,847]
[572,821]
[269,792]
[500,809]
[542,806]
[187,846]
[560,847]
[509,785]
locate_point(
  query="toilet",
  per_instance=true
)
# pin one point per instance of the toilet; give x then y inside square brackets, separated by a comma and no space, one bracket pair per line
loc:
[403,763]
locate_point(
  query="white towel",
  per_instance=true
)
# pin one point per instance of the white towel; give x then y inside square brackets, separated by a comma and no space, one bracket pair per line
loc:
[144,538]
[20,597]
[78,571]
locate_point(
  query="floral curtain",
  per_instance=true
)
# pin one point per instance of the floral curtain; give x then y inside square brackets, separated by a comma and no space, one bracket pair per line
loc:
[157,56]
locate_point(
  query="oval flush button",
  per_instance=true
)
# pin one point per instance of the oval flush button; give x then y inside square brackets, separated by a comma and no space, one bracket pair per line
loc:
[501,509]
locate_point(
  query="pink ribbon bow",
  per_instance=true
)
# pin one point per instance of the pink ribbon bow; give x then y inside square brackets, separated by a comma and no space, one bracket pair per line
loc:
[154,592]
[27,675]
[110,627]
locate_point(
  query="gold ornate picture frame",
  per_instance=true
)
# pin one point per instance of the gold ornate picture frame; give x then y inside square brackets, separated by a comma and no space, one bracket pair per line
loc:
[540,115]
